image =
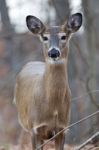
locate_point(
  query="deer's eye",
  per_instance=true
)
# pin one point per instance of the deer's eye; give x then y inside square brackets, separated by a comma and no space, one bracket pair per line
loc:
[63,37]
[45,38]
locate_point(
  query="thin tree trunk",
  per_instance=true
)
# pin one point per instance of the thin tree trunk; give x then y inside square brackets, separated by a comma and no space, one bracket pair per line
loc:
[62,10]
[89,8]
[7,32]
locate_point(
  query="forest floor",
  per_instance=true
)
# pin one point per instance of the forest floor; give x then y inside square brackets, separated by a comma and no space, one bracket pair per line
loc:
[49,147]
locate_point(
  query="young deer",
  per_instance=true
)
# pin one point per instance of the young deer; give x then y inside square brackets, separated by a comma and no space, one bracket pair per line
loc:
[42,92]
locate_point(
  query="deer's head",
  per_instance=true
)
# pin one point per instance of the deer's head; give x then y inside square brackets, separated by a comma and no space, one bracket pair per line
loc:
[55,39]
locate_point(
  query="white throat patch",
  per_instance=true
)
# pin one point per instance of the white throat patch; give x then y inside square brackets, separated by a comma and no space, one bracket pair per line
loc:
[56,61]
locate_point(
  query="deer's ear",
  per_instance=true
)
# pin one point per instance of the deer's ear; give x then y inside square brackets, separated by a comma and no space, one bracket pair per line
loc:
[35,25]
[74,22]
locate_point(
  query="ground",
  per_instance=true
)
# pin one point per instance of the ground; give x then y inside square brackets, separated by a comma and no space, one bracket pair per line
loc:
[48,147]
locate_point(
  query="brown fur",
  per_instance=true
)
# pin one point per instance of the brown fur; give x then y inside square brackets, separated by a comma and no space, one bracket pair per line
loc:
[39,95]
[42,92]
[42,97]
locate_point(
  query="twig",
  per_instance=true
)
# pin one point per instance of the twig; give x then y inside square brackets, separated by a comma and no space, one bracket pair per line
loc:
[91,140]
[68,127]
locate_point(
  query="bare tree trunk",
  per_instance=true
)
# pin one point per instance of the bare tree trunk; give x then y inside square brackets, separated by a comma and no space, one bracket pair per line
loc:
[62,10]
[7,33]
[5,17]
[89,31]
[90,8]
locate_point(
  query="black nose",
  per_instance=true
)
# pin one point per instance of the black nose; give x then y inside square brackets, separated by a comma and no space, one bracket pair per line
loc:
[53,53]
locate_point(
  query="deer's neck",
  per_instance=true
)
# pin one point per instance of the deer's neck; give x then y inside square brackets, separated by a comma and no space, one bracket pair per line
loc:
[55,79]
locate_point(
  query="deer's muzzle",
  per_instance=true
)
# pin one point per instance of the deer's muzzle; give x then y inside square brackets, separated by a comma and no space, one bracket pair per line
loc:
[54,53]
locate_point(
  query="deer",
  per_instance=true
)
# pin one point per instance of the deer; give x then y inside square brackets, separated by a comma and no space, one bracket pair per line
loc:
[42,93]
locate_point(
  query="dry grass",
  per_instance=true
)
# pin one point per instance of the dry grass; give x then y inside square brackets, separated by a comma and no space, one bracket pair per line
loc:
[28,147]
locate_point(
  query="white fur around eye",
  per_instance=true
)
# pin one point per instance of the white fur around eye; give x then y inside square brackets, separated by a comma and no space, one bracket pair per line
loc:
[61,34]
[62,37]
[45,35]
[45,38]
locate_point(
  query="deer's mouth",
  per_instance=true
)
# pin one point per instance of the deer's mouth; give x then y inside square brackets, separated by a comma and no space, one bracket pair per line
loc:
[56,61]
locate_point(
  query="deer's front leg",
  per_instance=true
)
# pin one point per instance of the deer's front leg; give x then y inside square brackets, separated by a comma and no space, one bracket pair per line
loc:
[59,142]
[36,141]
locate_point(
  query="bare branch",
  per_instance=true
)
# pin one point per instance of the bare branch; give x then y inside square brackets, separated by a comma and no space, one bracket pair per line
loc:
[93,140]
[67,128]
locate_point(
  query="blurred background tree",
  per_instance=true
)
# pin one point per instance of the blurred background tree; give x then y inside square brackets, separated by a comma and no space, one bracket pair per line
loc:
[18,46]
